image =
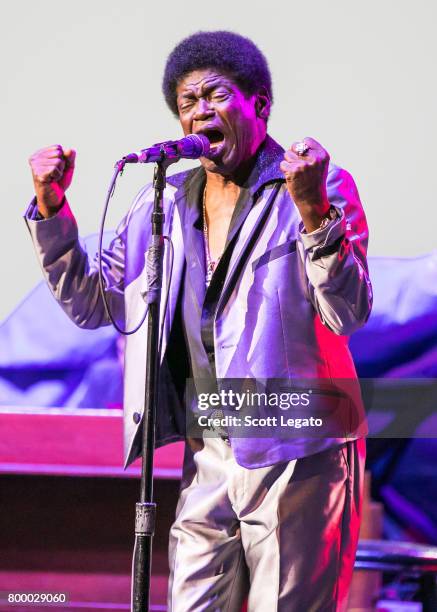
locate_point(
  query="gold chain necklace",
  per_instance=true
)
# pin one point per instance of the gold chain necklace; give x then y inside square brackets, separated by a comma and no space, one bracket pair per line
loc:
[210,264]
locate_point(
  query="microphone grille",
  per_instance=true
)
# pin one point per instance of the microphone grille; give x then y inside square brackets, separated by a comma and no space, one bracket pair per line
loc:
[199,146]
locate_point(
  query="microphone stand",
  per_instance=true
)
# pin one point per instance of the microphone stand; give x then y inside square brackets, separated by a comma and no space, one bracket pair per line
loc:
[146,508]
[164,154]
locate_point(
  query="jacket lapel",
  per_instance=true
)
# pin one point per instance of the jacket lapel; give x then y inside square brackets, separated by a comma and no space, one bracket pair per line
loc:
[247,239]
[187,199]
[251,212]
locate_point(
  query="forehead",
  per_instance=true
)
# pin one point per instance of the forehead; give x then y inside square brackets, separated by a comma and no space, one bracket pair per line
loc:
[201,79]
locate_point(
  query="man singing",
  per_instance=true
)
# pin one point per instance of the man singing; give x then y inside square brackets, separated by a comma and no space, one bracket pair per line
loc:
[269,279]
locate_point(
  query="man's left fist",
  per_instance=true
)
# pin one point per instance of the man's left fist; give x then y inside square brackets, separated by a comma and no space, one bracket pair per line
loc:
[306,181]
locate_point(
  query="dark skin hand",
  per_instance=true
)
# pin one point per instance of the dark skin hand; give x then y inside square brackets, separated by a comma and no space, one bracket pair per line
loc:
[306,181]
[52,172]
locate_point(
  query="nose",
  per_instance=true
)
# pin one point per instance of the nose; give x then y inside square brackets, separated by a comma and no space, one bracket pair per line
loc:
[203,110]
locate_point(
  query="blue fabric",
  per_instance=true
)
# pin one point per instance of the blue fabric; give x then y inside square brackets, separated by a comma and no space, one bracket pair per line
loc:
[46,361]
[400,338]
[400,341]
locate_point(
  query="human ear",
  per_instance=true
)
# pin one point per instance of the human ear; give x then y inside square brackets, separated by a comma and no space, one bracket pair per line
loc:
[263,104]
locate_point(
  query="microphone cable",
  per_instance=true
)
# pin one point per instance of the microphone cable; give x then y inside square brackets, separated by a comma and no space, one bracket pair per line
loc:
[119,167]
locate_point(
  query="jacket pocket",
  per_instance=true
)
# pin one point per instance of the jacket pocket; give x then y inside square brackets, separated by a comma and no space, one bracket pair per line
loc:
[278,251]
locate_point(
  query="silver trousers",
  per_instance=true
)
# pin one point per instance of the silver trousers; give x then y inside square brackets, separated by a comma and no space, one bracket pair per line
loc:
[283,536]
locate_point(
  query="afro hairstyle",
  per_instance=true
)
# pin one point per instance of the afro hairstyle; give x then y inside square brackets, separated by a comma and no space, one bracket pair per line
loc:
[230,53]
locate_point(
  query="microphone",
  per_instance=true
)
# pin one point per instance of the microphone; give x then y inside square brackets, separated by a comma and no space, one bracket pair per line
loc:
[192,146]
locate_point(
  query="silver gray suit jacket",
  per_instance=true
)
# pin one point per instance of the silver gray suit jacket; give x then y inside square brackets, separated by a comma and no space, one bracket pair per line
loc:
[286,314]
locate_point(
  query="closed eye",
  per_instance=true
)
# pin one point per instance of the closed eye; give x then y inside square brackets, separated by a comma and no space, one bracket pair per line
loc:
[187,103]
[220,96]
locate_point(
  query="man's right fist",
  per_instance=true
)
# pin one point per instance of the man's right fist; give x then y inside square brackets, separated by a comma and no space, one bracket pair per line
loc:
[52,171]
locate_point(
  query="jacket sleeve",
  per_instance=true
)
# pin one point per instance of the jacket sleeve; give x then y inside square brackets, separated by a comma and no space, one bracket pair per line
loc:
[335,259]
[71,275]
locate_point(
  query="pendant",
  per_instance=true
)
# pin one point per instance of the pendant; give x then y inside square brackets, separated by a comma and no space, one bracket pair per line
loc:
[209,271]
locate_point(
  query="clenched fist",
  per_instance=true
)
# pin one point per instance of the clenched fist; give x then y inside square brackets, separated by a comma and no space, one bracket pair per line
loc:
[52,171]
[305,174]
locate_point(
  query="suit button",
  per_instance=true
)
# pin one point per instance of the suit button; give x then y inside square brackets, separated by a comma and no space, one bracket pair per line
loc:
[136,417]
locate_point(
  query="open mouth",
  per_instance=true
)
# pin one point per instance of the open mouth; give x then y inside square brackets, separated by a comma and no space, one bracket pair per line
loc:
[214,136]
